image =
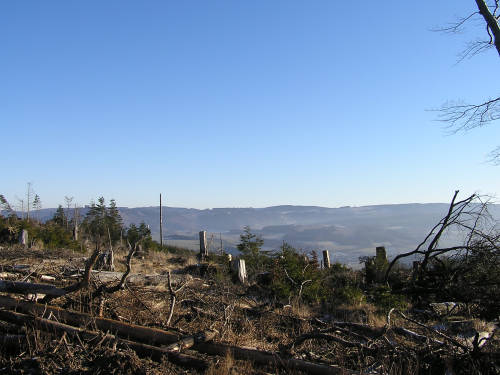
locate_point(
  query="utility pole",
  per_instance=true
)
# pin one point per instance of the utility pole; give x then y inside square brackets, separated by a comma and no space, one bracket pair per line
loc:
[28,197]
[76,218]
[221,248]
[29,194]
[161,225]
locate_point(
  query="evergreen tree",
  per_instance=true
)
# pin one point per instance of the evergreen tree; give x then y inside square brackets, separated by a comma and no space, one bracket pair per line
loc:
[102,222]
[37,204]
[141,233]
[114,221]
[59,217]
[250,247]
[144,230]
[94,220]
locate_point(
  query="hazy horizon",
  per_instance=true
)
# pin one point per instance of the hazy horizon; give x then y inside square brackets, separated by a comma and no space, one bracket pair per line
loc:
[13,203]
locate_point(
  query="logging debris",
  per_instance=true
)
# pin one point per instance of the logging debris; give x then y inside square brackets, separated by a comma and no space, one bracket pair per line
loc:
[113,321]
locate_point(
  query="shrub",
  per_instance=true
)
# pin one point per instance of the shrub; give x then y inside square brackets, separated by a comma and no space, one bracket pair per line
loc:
[351,295]
[384,299]
[293,275]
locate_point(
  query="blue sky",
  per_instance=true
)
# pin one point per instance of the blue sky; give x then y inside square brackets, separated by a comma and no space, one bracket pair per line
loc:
[240,103]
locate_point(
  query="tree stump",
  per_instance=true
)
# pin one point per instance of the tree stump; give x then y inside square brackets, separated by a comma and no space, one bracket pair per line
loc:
[326,259]
[203,245]
[23,238]
[238,266]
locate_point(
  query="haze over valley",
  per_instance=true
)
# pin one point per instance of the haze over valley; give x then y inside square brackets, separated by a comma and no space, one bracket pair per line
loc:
[347,232]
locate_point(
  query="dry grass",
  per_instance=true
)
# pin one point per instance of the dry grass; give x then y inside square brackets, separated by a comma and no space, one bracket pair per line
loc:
[153,262]
[229,366]
[480,325]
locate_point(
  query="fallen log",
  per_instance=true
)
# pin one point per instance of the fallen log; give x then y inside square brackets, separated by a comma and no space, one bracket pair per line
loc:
[154,336]
[47,278]
[11,328]
[189,341]
[133,278]
[139,333]
[364,328]
[8,275]
[421,338]
[11,341]
[22,287]
[327,337]
[271,359]
[140,348]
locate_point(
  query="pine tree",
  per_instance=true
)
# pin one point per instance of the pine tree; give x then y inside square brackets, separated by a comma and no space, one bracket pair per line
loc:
[250,247]
[59,217]
[37,204]
[114,221]
[94,222]
[103,222]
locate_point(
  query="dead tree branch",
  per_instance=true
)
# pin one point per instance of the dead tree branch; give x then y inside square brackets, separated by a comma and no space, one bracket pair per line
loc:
[448,338]
[469,214]
[328,337]
[85,281]
[463,117]
[173,297]
[121,284]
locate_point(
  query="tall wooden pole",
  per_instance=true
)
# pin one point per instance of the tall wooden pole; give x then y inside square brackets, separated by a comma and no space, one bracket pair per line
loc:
[161,225]
[221,248]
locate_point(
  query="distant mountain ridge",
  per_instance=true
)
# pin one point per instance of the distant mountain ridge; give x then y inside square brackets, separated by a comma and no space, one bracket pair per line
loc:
[348,232]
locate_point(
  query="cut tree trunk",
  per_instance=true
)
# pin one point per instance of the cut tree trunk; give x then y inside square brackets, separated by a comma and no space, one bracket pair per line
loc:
[25,288]
[140,348]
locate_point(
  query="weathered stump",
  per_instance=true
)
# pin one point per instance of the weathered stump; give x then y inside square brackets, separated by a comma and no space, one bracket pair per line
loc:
[75,233]
[326,259]
[203,244]
[238,266]
[23,238]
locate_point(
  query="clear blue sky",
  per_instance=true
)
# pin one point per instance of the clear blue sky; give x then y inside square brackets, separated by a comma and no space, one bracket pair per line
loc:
[239,103]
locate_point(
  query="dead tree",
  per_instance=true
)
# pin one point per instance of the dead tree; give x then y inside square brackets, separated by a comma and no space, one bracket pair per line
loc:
[296,284]
[462,116]
[466,271]
[470,214]
[85,281]
[173,297]
[121,284]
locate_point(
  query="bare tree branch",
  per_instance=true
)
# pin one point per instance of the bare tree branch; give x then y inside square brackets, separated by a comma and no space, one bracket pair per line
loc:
[469,214]
[457,26]
[463,117]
